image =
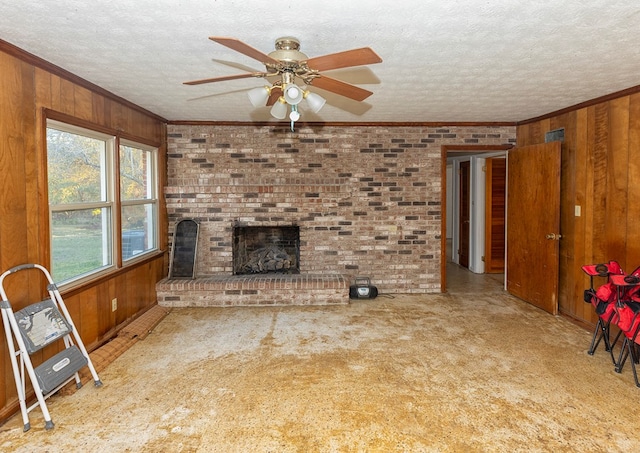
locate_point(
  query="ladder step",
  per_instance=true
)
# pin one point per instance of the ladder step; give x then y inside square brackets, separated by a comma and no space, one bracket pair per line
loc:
[59,368]
[41,324]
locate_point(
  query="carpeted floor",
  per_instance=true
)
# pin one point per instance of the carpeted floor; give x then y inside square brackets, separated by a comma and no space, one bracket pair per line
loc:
[470,370]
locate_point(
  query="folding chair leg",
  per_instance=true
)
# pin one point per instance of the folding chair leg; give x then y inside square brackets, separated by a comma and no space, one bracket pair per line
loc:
[598,334]
[628,349]
[611,345]
[634,360]
[624,353]
[601,332]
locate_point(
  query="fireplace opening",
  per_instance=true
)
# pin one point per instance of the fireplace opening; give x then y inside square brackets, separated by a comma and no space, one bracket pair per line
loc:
[263,250]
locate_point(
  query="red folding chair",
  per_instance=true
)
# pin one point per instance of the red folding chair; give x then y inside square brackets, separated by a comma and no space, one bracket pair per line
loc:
[628,313]
[603,301]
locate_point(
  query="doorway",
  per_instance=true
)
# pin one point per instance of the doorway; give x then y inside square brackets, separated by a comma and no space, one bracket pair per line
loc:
[467,249]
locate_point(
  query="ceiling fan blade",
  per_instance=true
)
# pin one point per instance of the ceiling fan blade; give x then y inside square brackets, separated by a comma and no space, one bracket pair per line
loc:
[276,92]
[234,64]
[222,93]
[348,58]
[239,46]
[341,88]
[229,77]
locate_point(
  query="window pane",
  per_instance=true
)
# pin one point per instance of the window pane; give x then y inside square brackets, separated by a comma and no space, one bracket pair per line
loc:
[76,168]
[80,242]
[138,231]
[135,173]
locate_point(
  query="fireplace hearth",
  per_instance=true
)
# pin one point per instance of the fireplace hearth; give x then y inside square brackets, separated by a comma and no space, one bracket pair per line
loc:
[266,249]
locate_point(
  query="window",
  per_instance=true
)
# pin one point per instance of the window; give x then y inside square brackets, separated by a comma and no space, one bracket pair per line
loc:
[93,207]
[138,198]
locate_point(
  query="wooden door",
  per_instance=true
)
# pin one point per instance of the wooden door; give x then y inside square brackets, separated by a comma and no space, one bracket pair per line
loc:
[533,224]
[495,214]
[465,214]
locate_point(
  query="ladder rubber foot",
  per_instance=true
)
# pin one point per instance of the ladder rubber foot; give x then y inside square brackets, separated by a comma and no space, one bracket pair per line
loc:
[78,385]
[26,427]
[97,383]
[48,425]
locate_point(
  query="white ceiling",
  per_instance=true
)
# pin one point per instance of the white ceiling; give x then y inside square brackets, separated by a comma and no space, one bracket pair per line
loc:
[443,60]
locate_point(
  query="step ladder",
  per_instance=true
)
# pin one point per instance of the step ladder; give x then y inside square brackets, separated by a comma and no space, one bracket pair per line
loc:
[31,329]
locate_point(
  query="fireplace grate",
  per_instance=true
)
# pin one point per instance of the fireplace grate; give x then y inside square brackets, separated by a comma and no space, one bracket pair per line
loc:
[260,249]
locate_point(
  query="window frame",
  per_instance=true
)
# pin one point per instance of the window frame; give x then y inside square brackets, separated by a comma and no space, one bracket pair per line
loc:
[153,199]
[112,201]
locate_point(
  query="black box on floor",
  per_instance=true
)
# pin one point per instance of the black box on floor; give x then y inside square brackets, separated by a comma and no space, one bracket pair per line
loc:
[362,289]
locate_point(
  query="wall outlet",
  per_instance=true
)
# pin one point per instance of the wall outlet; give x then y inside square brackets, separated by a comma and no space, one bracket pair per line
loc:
[114,304]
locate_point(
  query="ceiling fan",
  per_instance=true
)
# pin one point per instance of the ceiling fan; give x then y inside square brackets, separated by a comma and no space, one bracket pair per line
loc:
[287,63]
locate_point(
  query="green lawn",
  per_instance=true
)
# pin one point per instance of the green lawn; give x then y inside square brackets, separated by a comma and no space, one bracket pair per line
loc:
[76,250]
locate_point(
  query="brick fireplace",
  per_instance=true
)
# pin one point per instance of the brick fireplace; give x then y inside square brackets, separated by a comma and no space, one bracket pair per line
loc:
[366,199]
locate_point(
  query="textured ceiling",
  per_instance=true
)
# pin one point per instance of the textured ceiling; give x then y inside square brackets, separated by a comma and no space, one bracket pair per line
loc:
[443,60]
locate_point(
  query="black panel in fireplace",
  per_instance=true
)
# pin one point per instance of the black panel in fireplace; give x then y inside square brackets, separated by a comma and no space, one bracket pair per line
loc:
[266,249]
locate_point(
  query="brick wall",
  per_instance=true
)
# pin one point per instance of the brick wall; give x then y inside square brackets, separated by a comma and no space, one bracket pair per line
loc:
[367,199]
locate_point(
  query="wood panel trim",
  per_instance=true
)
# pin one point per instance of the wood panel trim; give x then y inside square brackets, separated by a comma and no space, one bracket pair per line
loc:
[74,121]
[63,73]
[286,126]
[43,184]
[476,148]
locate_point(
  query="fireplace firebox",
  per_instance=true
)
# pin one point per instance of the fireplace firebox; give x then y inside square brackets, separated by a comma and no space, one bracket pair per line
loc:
[266,249]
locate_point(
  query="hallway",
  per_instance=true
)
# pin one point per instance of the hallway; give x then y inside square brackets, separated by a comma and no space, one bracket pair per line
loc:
[461,280]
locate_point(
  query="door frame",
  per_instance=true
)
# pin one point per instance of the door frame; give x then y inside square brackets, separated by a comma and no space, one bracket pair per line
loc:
[444,150]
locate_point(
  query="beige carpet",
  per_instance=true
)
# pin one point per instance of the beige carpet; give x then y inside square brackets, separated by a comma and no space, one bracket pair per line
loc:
[471,370]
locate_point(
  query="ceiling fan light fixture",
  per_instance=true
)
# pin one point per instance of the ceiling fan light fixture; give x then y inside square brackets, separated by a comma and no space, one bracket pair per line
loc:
[288,62]
[259,96]
[279,109]
[293,94]
[314,101]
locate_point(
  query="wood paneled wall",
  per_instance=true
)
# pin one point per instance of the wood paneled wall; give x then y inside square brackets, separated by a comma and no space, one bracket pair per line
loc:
[601,176]
[28,90]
